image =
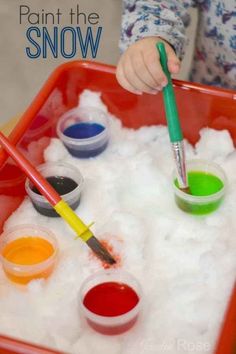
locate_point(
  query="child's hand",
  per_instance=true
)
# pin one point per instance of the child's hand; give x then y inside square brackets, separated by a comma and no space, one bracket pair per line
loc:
[139,68]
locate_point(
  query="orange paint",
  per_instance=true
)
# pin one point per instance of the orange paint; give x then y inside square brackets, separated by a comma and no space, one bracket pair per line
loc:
[28,251]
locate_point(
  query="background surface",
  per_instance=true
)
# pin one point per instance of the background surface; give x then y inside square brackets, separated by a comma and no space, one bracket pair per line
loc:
[22,77]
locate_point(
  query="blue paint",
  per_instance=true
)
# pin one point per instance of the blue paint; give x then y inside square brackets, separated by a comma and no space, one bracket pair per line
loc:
[84,154]
[83,130]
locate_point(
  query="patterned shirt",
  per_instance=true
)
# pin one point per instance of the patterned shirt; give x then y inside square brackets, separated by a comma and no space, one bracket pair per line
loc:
[215,49]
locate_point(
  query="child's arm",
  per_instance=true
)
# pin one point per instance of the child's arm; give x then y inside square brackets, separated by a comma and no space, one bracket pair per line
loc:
[143,24]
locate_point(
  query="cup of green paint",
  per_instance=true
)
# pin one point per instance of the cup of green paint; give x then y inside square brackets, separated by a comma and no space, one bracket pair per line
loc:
[207,182]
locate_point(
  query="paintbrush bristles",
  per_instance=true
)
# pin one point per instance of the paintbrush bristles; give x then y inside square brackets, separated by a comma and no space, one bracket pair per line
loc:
[100,251]
[180,164]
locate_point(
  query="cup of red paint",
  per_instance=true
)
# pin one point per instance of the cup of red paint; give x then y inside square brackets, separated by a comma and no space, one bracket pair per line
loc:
[110,301]
[84,131]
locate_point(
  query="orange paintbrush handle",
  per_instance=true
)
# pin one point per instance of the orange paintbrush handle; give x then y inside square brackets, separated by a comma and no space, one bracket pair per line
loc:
[63,209]
[36,178]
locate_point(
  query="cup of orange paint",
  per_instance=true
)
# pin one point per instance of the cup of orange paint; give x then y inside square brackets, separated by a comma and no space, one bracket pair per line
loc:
[28,252]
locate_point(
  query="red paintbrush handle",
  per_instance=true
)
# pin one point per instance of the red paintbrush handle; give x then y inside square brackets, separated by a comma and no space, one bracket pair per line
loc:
[36,178]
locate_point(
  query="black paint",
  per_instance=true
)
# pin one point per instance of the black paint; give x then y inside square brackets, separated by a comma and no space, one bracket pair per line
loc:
[62,185]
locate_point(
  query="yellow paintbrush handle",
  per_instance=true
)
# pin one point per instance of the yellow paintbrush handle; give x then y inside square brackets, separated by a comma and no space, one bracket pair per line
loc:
[82,230]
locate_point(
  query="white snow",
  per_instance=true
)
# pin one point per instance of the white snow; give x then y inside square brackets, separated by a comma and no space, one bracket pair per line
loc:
[186,264]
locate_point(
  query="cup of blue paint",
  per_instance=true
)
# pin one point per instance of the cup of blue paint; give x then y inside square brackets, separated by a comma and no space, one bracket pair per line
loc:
[84,131]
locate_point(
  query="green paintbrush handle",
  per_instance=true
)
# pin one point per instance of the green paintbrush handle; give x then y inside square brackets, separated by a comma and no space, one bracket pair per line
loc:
[172,117]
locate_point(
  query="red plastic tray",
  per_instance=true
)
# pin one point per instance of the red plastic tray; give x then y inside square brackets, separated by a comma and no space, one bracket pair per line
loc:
[198,105]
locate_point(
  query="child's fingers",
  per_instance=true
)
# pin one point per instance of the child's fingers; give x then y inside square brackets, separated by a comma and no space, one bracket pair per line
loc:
[136,77]
[152,61]
[153,65]
[139,69]
[173,61]
[121,78]
[142,71]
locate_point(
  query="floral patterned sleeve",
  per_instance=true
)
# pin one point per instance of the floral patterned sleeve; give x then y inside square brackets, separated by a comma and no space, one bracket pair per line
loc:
[166,19]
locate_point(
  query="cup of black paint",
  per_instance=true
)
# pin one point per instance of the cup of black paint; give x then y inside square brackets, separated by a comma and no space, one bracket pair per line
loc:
[65,179]
[84,131]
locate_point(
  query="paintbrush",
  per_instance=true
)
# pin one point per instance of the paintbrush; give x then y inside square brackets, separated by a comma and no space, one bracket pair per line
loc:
[174,128]
[61,207]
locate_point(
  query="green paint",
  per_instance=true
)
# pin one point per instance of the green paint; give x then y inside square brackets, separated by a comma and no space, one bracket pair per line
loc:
[201,184]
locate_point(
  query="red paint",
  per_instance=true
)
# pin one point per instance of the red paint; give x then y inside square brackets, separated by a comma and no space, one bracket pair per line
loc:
[111,299]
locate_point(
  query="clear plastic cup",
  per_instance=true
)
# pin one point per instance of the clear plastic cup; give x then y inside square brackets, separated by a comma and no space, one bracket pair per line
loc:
[84,131]
[201,204]
[34,238]
[72,180]
[108,324]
